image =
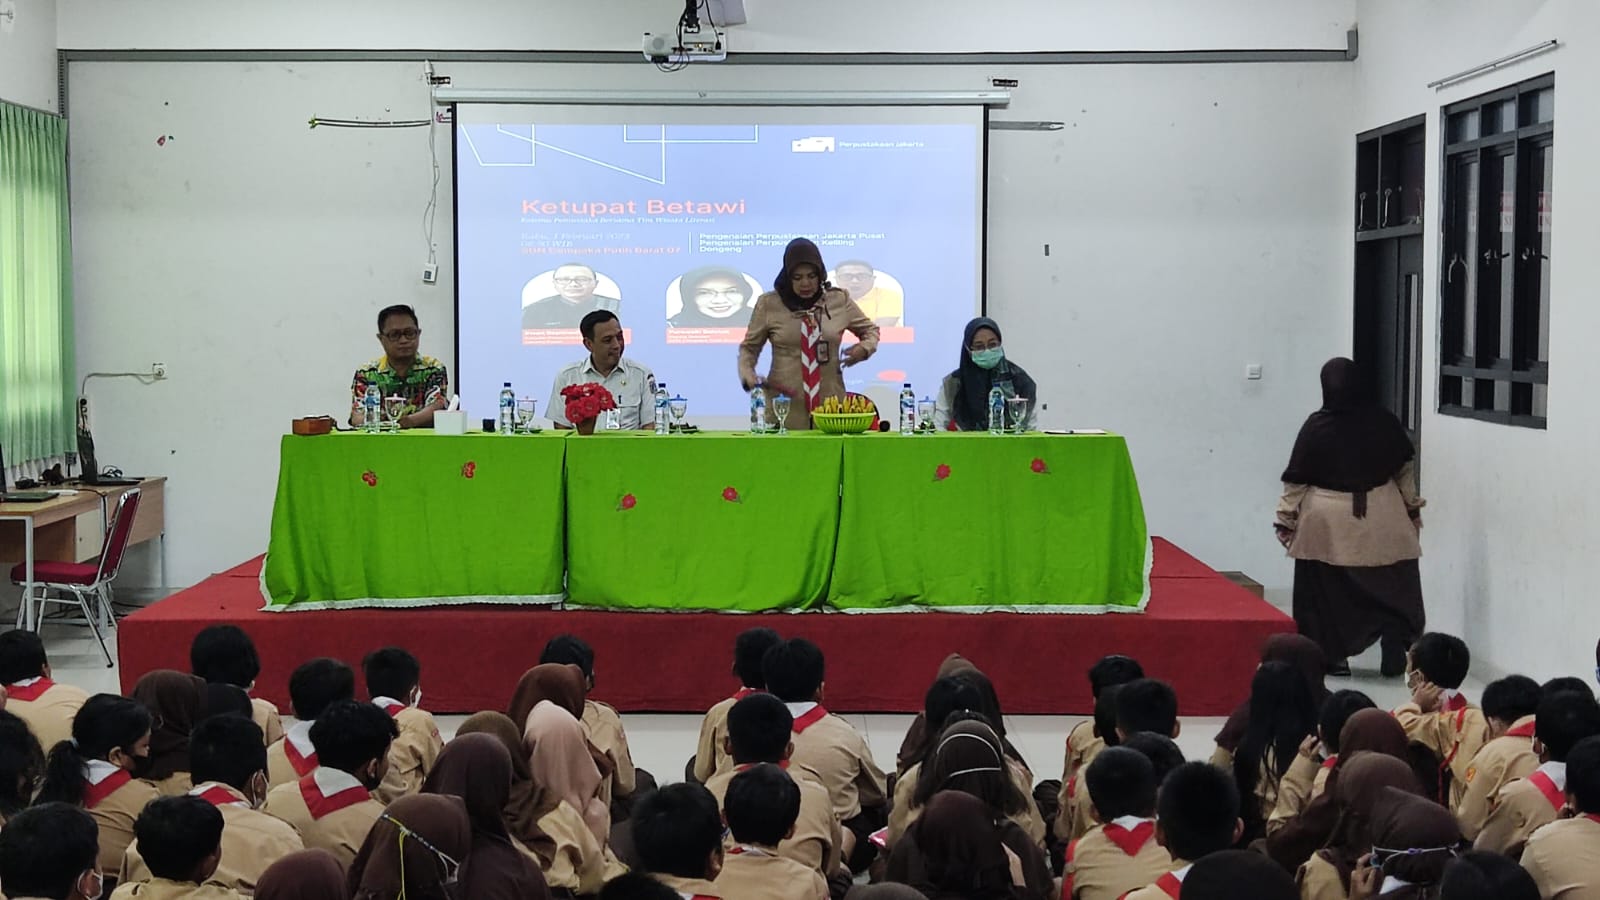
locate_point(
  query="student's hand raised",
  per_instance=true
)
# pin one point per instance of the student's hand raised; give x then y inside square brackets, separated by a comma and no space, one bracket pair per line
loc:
[1427,696]
[1308,747]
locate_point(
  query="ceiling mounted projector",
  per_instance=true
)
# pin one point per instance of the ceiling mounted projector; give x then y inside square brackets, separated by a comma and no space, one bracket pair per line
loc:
[704,45]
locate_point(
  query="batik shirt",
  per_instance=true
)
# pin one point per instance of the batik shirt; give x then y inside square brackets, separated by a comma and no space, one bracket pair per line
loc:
[426,375]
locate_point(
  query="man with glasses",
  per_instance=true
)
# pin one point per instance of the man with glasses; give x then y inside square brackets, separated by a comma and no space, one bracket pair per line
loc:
[401,371]
[50,851]
[884,305]
[574,298]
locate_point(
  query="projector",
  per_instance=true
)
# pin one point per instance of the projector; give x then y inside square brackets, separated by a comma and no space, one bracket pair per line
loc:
[706,45]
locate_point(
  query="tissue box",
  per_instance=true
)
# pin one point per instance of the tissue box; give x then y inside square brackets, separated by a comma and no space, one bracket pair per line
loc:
[447,422]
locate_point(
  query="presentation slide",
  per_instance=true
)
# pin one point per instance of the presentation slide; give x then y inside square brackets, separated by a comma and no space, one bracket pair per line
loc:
[676,219]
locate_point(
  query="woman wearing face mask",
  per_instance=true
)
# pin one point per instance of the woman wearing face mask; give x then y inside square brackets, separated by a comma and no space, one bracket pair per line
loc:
[99,770]
[963,403]
[804,318]
[1413,840]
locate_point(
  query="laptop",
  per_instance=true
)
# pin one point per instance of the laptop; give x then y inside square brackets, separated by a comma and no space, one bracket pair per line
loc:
[91,469]
[19,496]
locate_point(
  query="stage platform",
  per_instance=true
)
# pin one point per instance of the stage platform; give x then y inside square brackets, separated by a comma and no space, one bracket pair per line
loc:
[1200,632]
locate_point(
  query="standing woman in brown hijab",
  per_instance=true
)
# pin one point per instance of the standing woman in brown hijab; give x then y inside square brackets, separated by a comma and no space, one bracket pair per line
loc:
[1350,518]
[804,318]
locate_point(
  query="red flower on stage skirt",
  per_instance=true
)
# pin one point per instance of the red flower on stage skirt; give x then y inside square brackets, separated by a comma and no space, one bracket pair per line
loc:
[469,470]
[731,495]
[1040,467]
[629,501]
[941,473]
[370,477]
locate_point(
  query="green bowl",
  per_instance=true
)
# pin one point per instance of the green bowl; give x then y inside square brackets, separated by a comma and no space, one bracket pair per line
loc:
[842,423]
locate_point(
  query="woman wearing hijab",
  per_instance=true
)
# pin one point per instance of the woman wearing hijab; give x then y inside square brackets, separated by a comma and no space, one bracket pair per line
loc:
[1326,876]
[1282,716]
[477,768]
[1350,518]
[963,403]
[176,701]
[1413,840]
[955,852]
[415,850]
[959,685]
[526,802]
[304,875]
[712,297]
[563,766]
[1367,730]
[562,685]
[804,318]
[1299,652]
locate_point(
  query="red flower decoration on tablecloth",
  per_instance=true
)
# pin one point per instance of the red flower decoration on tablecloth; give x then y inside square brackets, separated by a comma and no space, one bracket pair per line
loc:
[941,473]
[731,495]
[629,501]
[469,470]
[1040,466]
[370,477]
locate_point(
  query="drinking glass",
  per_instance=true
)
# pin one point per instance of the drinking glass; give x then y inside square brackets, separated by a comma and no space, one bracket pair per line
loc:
[780,408]
[678,408]
[393,408]
[525,408]
[925,410]
[1017,412]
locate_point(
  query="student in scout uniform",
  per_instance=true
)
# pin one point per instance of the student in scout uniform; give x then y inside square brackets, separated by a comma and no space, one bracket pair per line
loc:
[332,806]
[182,847]
[1527,804]
[1413,839]
[632,385]
[828,745]
[950,693]
[1162,751]
[313,687]
[394,682]
[1477,875]
[1439,717]
[51,851]
[749,647]
[1283,716]
[1295,650]
[600,721]
[229,763]
[1121,852]
[422,381]
[1074,820]
[1564,856]
[1327,874]
[1307,777]
[759,728]
[99,769]
[1231,874]
[637,886]
[1197,815]
[31,694]
[956,849]
[21,765]
[224,654]
[761,808]
[478,769]
[1509,705]
[415,851]
[177,702]
[677,832]
[1143,704]
[307,875]
[1084,740]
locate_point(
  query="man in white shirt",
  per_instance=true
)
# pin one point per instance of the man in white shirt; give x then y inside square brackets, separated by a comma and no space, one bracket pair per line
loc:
[632,385]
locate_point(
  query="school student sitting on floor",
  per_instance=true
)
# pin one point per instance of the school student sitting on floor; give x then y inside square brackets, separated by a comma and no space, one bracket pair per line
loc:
[1307,776]
[749,647]
[313,687]
[181,840]
[1439,718]
[21,766]
[1509,705]
[601,723]
[394,682]
[31,694]
[97,770]
[1524,806]
[332,806]
[677,833]
[1120,853]
[1084,741]
[1282,717]
[51,852]
[1197,815]
[1143,704]
[1564,856]
[761,808]
[224,654]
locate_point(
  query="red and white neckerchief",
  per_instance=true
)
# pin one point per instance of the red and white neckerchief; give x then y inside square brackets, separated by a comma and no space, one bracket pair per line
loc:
[744,692]
[327,791]
[29,689]
[1550,780]
[810,365]
[806,715]
[1331,761]
[745,767]
[389,705]
[1130,833]
[218,794]
[1453,701]
[102,780]
[297,746]
[748,850]
[1172,883]
[1524,730]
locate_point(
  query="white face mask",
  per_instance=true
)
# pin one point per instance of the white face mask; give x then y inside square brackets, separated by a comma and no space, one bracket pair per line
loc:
[99,884]
[416,698]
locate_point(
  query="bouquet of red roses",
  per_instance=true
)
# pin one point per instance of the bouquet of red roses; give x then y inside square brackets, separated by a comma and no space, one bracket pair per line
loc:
[586,401]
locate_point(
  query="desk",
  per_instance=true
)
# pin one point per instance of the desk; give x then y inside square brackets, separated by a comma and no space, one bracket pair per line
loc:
[48,530]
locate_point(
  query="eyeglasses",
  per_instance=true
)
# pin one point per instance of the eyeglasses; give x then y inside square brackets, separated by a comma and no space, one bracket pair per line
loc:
[979,348]
[403,334]
[573,279]
[452,869]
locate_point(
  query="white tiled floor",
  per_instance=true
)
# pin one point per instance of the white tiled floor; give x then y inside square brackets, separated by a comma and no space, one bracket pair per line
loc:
[662,743]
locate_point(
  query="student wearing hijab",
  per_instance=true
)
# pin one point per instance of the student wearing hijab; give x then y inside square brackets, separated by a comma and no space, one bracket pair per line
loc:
[1297,651]
[563,765]
[959,852]
[526,802]
[967,689]
[1282,716]
[176,701]
[306,875]
[804,318]
[1326,875]
[560,684]
[1350,517]
[1413,839]
[963,403]
[477,768]
[415,850]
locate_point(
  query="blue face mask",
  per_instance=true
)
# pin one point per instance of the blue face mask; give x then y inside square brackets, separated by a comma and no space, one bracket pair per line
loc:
[987,359]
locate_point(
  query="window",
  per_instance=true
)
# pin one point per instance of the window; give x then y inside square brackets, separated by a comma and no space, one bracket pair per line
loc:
[1494,311]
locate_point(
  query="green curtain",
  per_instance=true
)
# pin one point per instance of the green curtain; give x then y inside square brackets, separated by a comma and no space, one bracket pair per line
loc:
[36,364]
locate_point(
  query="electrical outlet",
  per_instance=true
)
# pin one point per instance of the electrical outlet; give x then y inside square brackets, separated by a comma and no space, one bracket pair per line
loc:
[430,273]
[1252,371]
[159,370]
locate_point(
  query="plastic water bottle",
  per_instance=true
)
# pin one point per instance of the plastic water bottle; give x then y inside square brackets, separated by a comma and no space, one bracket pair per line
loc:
[372,407]
[508,410]
[758,410]
[663,426]
[997,411]
[908,410]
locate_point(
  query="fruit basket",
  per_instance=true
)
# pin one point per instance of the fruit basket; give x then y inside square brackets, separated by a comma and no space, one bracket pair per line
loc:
[843,423]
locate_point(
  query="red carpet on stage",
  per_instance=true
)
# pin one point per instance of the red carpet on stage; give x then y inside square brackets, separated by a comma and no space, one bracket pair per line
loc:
[1200,632]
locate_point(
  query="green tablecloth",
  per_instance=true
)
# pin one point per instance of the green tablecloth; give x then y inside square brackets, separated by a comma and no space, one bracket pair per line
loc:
[719,521]
[1034,523]
[416,519]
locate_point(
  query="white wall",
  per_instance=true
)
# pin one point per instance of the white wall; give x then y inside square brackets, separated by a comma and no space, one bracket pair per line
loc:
[28,55]
[1511,541]
[775,25]
[1193,222]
